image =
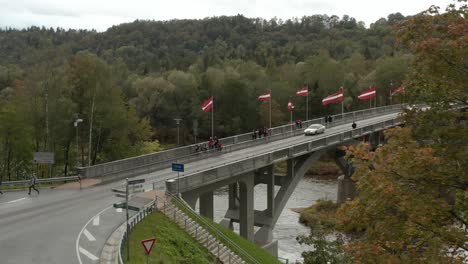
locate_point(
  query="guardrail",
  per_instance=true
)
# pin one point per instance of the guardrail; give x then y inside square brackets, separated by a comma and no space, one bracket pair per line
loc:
[151,162]
[248,163]
[214,231]
[133,221]
[46,181]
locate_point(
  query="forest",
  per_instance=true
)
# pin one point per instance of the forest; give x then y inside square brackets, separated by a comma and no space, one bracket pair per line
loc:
[91,97]
[127,84]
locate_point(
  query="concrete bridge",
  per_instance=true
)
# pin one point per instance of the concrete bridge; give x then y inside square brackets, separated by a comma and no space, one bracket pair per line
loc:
[245,162]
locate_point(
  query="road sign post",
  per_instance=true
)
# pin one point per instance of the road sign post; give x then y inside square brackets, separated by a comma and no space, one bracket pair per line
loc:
[148,245]
[179,167]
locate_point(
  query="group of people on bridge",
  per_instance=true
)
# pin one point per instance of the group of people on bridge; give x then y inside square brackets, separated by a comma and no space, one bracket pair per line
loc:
[212,144]
[262,131]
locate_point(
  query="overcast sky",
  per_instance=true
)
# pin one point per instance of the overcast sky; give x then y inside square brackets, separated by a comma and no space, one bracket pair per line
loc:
[102,14]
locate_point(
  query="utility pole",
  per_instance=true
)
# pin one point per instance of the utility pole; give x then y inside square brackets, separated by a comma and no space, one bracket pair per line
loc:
[178,123]
[76,123]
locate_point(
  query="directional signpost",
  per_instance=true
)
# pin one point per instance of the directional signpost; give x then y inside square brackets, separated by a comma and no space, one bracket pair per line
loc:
[131,187]
[179,167]
[148,245]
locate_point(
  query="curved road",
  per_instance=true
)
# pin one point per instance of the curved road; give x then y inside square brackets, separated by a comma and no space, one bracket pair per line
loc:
[56,225]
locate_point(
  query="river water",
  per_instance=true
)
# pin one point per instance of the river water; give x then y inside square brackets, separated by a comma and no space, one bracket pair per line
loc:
[288,227]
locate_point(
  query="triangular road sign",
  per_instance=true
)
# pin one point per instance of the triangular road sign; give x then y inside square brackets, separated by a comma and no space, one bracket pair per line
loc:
[148,244]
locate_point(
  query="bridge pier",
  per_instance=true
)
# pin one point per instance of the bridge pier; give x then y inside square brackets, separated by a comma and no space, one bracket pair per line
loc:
[346,186]
[375,139]
[246,206]
[206,204]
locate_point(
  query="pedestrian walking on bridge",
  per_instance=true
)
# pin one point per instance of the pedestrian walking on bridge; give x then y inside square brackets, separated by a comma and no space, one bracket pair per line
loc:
[33,184]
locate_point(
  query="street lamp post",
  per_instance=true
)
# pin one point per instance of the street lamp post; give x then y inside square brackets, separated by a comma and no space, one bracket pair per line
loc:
[76,123]
[178,123]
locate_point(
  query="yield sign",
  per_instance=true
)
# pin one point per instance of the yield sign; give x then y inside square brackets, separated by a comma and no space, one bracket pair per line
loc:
[148,244]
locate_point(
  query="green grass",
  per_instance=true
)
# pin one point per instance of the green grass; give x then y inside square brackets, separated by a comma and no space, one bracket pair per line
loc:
[172,245]
[322,213]
[259,254]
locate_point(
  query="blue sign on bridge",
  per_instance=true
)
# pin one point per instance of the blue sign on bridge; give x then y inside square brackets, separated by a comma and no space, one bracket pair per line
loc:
[178,167]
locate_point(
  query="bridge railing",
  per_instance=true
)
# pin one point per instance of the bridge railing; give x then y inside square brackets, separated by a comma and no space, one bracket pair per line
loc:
[251,162]
[136,165]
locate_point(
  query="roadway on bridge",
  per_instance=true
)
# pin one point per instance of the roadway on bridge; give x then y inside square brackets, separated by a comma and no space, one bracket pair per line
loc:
[218,160]
[44,228]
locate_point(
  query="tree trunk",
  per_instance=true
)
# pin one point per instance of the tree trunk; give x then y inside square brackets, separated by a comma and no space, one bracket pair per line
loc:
[97,147]
[91,127]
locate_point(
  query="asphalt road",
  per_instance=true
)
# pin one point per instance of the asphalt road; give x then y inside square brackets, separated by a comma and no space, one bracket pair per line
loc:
[50,228]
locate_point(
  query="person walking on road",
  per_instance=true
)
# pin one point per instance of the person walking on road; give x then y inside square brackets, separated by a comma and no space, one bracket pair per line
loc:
[33,184]
[0,186]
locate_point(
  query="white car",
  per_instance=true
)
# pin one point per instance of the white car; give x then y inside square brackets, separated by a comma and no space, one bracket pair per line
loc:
[314,129]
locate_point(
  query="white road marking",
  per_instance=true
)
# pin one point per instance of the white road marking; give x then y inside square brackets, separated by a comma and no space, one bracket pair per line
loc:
[88,235]
[88,254]
[77,247]
[96,221]
[13,201]
[119,210]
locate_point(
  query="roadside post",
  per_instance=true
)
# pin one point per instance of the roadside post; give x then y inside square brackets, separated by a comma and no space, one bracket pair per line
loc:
[131,187]
[179,167]
[148,245]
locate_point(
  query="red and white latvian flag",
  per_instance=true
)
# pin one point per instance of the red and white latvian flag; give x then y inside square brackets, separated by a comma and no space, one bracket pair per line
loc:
[290,105]
[368,94]
[265,97]
[303,92]
[207,105]
[333,98]
[400,89]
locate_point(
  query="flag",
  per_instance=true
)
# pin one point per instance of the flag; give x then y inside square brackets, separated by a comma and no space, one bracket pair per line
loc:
[368,94]
[290,105]
[207,105]
[400,89]
[333,98]
[303,92]
[265,97]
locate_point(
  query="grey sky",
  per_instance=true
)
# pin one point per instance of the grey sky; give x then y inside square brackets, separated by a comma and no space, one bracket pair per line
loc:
[102,14]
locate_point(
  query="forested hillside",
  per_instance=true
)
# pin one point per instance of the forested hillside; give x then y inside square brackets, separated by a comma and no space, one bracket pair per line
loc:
[128,84]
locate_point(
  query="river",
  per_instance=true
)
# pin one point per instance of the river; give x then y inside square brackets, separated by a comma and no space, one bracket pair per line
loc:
[288,227]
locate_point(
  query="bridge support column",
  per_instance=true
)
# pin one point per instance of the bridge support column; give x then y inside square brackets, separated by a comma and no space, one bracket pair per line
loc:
[265,234]
[190,198]
[233,196]
[346,186]
[233,204]
[246,208]
[206,204]
[374,139]
[346,189]
[270,182]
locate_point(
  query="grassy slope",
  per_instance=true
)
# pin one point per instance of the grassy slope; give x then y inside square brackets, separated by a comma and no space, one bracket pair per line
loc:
[173,245]
[259,254]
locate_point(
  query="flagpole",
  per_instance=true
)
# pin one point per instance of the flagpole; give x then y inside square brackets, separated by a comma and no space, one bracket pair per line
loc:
[291,121]
[342,117]
[212,122]
[270,110]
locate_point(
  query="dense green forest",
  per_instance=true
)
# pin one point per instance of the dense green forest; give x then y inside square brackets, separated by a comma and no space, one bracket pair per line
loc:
[129,83]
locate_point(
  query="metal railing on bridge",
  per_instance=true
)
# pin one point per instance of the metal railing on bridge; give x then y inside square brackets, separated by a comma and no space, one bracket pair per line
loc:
[42,181]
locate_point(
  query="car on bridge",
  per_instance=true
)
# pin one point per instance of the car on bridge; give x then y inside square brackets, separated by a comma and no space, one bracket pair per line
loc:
[314,129]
